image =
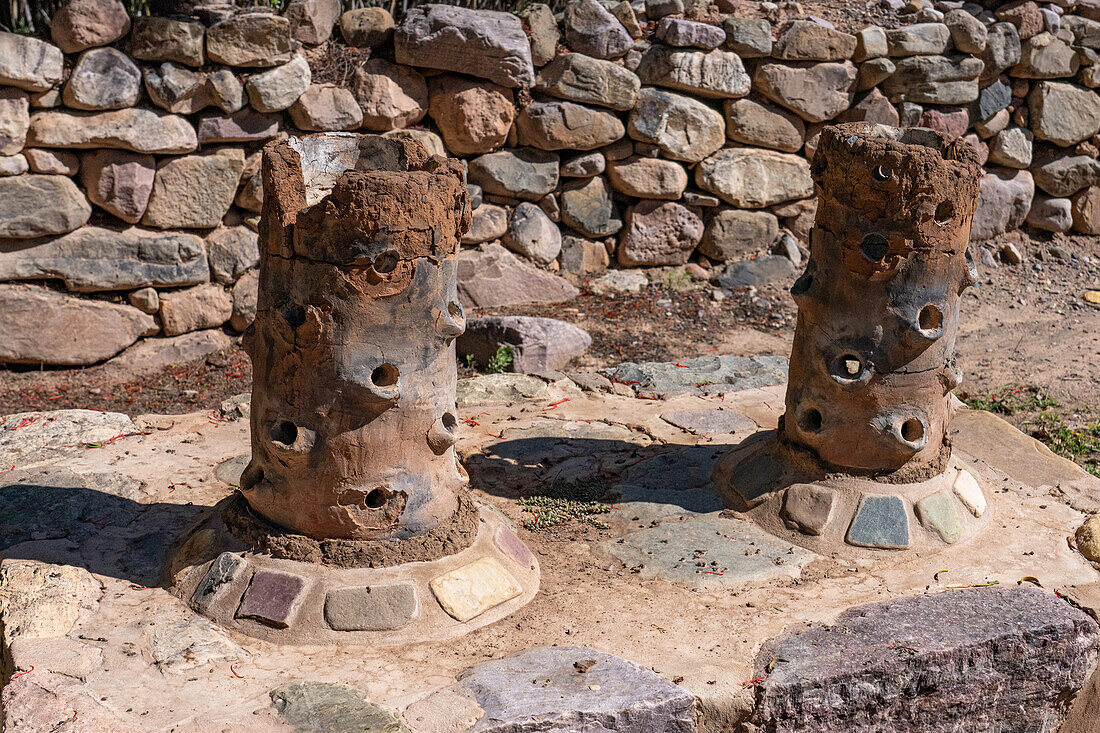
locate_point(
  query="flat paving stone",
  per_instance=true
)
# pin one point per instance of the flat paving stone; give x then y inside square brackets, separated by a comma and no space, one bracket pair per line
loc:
[809,506]
[494,388]
[705,375]
[978,659]
[29,438]
[371,608]
[713,421]
[473,589]
[565,689]
[271,598]
[938,513]
[880,522]
[323,707]
[679,479]
[707,551]
[51,503]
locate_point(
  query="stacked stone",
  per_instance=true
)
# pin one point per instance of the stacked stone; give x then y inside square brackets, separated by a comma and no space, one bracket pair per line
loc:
[645,134]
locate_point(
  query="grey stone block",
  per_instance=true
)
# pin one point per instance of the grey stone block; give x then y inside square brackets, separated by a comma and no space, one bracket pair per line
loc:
[545,690]
[538,344]
[979,659]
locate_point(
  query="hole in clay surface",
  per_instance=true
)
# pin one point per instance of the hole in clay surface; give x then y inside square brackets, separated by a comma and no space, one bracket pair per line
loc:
[293,314]
[449,421]
[930,318]
[874,247]
[802,284]
[945,212]
[384,375]
[881,173]
[385,263]
[912,430]
[455,309]
[376,498]
[810,421]
[284,432]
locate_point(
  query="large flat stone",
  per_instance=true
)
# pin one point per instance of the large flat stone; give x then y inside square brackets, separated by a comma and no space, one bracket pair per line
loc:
[38,600]
[704,375]
[483,43]
[981,659]
[489,388]
[44,327]
[492,276]
[545,689]
[140,130]
[29,63]
[710,421]
[324,707]
[537,344]
[153,355]
[94,259]
[35,205]
[33,437]
[706,551]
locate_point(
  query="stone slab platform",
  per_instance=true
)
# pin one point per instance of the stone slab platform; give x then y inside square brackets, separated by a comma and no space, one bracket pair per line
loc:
[84,531]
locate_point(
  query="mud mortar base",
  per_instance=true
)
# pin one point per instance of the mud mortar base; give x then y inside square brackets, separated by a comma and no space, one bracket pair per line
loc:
[789,494]
[293,600]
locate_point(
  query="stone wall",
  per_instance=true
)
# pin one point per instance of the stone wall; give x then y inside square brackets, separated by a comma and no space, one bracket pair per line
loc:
[618,134]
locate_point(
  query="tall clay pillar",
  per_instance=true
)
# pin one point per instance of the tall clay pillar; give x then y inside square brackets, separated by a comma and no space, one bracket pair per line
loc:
[873,363]
[353,343]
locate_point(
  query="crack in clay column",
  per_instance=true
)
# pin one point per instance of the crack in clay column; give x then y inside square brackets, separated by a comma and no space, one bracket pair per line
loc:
[873,362]
[353,403]
[861,458]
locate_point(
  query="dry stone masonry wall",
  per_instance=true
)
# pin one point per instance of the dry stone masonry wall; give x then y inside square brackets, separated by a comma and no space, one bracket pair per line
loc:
[629,134]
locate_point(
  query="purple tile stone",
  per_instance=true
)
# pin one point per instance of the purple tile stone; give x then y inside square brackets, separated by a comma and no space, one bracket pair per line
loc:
[513,546]
[272,598]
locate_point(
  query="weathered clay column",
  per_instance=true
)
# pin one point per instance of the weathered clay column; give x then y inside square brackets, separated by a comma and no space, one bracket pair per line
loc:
[352,347]
[861,458]
[873,363]
[353,524]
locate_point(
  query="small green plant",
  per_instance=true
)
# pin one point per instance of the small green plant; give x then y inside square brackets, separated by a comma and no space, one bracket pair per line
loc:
[567,501]
[500,361]
[678,279]
[471,363]
[1080,445]
[1042,421]
[1010,400]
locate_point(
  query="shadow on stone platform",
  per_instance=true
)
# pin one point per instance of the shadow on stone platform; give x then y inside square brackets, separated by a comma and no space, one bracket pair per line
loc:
[94,521]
